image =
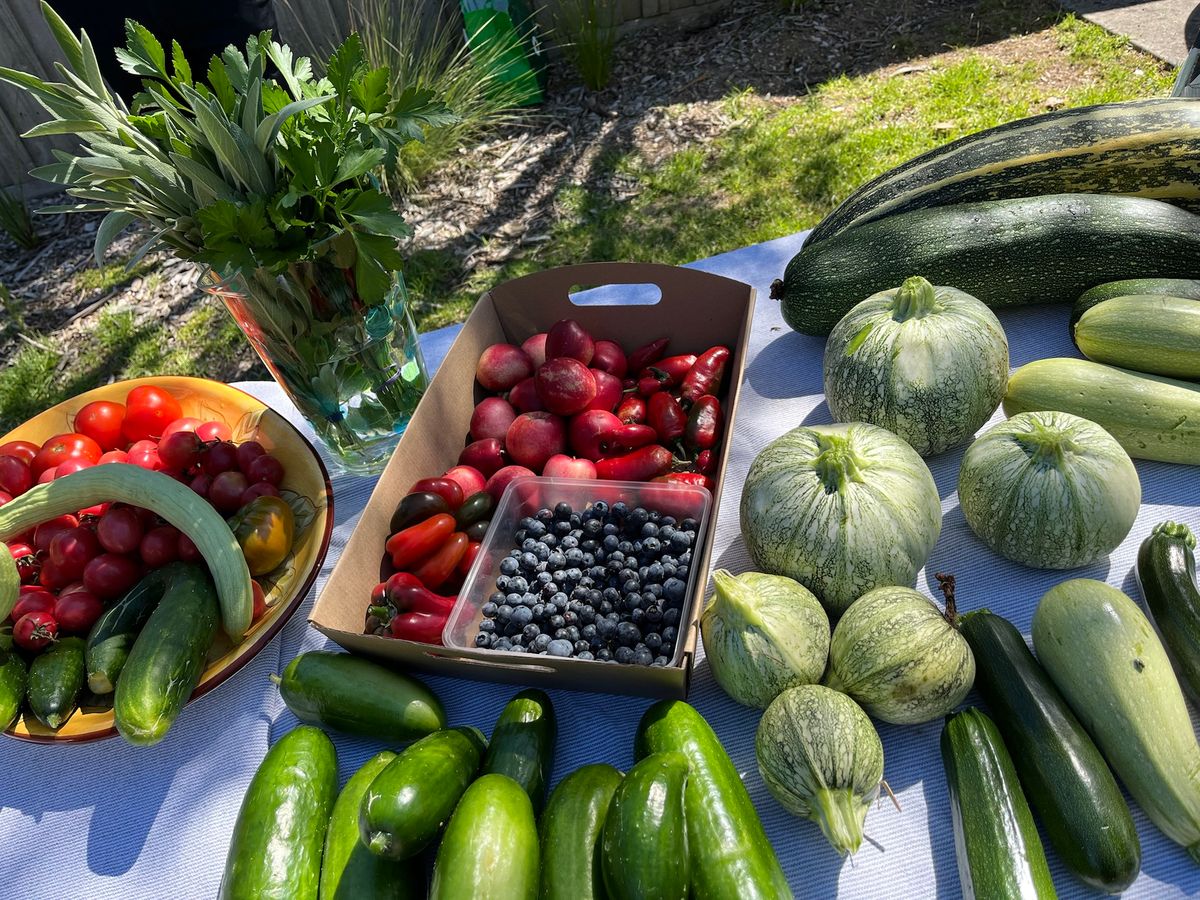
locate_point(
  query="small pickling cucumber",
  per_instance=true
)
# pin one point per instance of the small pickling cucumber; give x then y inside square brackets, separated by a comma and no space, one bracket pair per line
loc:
[522,744]
[570,834]
[645,835]
[55,680]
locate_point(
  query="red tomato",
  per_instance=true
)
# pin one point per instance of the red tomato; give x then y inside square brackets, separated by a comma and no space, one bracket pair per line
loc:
[5,497]
[28,565]
[22,450]
[101,420]
[269,469]
[33,598]
[159,546]
[62,447]
[120,530]
[15,476]
[71,466]
[71,550]
[44,533]
[113,456]
[214,431]
[148,412]
[247,453]
[186,423]
[35,630]
[180,450]
[110,575]
[260,600]
[77,611]
[145,454]
[46,476]
[187,549]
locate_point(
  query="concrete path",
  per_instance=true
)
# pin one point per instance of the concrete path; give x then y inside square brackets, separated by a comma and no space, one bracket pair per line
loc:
[1166,28]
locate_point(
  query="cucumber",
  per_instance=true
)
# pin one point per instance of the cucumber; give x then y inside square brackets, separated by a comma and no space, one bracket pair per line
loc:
[1065,778]
[1159,335]
[729,853]
[999,852]
[1107,661]
[349,871]
[167,659]
[1166,573]
[347,693]
[1133,147]
[113,635]
[490,849]
[55,680]
[1150,416]
[410,800]
[1188,288]
[1045,249]
[275,853]
[522,744]
[570,834]
[13,681]
[645,835]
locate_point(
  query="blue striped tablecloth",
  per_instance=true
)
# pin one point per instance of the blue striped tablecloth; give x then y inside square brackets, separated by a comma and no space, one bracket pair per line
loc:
[106,820]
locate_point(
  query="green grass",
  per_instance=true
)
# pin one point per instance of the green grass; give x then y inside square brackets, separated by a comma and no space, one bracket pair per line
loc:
[102,279]
[780,171]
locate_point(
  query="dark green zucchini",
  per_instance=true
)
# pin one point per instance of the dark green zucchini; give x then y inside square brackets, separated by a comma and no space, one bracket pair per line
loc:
[1006,252]
[347,693]
[729,852]
[13,680]
[114,633]
[275,853]
[349,871]
[1000,855]
[55,680]
[645,835]
[570,834]
[490,849]
[1135,147]
[1188,288]
[409,801]
[522,744]
[1166,573]
[1065,778]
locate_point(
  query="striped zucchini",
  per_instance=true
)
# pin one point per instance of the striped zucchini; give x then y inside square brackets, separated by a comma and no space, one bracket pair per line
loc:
[1154,287]
[1143,147]
[1159,335]
[1004,252]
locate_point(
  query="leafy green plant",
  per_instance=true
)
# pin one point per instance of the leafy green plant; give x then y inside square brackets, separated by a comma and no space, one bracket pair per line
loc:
[16,221]
[240,171]
[588,29]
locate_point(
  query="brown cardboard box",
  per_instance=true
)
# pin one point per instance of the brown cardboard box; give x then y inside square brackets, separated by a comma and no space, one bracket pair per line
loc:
[696,310]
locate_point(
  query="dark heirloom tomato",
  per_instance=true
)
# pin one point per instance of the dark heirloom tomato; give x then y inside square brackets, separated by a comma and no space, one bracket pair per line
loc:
[265,529]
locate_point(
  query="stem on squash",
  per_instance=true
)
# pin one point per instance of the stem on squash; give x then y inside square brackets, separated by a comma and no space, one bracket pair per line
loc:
[837,464]
[946,582]
[914,300]
[840,816]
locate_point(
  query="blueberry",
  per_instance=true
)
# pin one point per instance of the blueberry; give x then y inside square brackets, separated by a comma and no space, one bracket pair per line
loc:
[508,566]
[536,529]
[562,510]
[502,584]
[681,572]
[623,654]
[571,617]
[556,560]
[557,622]
[649,530]
[620,509]
[562,528]
[605,607]
[531,631]
[502,644]
[483,640]
[637,616]
[570,542]
[652,545]
[544,578]
[559,601]
[545,514]
[489,609]
[593,528]
[584,654]
[503,612]
[633,600]
[539,611]
[518,585]
[559,648]
[643,657]
[671,616]
[513,600]
[654,573]
[668,634]
[605,627]
[625,547]
[661,661]
[549,540]
[611,529]
[653,640]
[529,562]
[604,654]
[541,642]
[631,586]
[573,575]
[654,614]
[582,647]
[648,600]
[680,540]
[542,552]
[673,590]
[522,616]
[587,614]
[628,633]
[562,634]
[527,545]
[487,626]
[600,508]
[573,632]
[688,525]
[609,544]
[668,649]
[588,632]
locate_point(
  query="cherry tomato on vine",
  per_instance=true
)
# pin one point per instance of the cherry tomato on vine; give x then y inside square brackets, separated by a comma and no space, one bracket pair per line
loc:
[178,451]
[148,412]
[62,447]
[22,450]
[186,423]
[35,630]
[214,431]
[101,420]
[33,598]
[144,453]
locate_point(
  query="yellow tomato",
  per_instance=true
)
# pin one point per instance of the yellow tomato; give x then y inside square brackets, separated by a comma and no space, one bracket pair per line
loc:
[265,528]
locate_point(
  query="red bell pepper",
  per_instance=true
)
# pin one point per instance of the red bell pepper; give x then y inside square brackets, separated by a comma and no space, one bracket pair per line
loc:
[666,417]
[434,571]
[705,376]
[703,424]
[632,410]
[424,628]
[405,593]
[420,541]
[618,441]
[649,385]
[640,465]
[450,491]
[646,355]
[692,478]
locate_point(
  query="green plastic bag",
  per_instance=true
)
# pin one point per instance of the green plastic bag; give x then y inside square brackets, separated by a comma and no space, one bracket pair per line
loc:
[510,24]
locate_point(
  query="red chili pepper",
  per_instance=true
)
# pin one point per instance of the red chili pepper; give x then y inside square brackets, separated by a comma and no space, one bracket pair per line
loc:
[424,628]
[648,385]
[621,440]
[420,541]
[706,462]
[703,424]
[435,570]
[464,565]
[672,370]
[632,410]
[640,465]
[405,593]
[646,355]
[450,491]
[666,417]
[692,478]
[705,376]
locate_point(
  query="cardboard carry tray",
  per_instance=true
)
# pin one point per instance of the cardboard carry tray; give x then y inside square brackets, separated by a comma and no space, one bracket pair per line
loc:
[697,310]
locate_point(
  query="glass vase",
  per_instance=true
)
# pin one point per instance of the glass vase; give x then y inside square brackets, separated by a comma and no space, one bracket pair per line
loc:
[354,370]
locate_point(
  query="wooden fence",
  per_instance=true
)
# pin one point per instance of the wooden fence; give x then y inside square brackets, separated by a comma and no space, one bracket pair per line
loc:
[26,44]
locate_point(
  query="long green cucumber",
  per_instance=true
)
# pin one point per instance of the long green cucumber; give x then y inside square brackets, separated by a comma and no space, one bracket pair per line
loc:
[407,803]
[999,852]
[570,832]
[1065,778]
[1166,573]
[1006,252]
[354,695]
[490,849]
[1146,333]
[1107,661]
[275,853]
[1188,288]
[349,871]
[167,659]
[55,680]
[14,678]
[113,635]
[1150,416]
[729,852]
[522,744]
[645,835]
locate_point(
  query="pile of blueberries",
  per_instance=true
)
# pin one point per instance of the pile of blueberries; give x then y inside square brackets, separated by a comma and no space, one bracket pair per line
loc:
[606,583]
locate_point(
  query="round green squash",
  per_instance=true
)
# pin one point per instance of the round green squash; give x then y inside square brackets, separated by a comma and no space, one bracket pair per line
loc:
[840,509]
[927,363]
[1049,490]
